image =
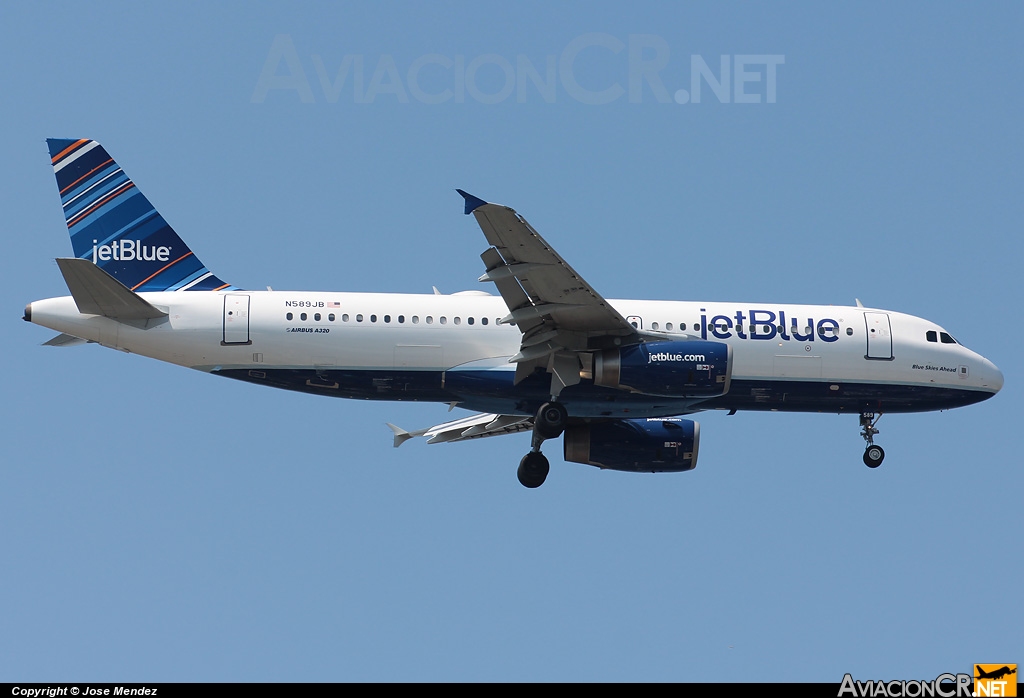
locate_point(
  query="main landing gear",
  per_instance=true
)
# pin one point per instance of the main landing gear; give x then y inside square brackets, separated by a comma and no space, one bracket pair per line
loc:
[548,424]
[873,455]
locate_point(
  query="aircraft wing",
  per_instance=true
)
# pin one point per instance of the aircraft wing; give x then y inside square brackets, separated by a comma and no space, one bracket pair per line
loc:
[557,311]
[475,427]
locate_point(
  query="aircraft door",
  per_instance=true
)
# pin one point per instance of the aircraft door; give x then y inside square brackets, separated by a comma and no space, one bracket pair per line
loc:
[635,321]
[236,319]
[879,336]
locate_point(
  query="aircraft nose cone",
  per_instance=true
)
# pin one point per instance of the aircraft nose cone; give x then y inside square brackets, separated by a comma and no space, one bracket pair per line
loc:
[992,377]
[997,379]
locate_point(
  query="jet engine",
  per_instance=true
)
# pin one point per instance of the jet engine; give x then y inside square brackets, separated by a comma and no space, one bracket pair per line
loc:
[663,445]
[695,368]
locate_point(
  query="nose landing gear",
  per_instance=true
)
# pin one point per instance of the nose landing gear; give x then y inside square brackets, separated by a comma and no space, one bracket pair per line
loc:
[548,424]
[873,455]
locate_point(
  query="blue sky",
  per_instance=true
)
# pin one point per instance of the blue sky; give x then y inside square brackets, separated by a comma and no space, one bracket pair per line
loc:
[164,525]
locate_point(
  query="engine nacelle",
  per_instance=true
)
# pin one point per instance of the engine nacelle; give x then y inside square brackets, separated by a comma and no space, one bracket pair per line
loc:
[664,445]
[695,368]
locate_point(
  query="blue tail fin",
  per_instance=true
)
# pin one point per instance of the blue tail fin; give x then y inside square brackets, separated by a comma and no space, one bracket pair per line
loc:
[112,224]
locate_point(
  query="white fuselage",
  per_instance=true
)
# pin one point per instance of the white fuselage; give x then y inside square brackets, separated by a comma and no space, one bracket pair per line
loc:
[783,355]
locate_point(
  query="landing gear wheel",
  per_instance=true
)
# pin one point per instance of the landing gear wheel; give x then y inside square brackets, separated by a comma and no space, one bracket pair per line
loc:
[873,456]
[551,420]
[533,469]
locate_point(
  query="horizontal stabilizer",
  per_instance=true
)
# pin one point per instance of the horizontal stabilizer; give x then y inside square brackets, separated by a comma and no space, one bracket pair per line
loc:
[65,340]
[98,293]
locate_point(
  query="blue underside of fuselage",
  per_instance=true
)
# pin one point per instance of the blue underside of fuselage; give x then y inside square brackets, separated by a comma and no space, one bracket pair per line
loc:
[493,391]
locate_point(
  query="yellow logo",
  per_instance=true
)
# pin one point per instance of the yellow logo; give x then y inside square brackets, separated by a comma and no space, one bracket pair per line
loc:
[995,680]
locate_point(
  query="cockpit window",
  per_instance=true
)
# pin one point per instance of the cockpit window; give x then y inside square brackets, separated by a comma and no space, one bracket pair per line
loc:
[931,336]
[946,339]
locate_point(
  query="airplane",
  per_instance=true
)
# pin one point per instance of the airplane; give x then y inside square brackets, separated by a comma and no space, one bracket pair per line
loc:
[996,673]
[548,355]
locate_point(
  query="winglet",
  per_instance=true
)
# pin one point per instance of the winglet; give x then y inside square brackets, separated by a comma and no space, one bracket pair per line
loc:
[472,203]
[401,435]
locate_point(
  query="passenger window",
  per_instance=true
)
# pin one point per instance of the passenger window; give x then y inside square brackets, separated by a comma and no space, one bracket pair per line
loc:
[946,339]
[483,321]
[931,336]
[654,325]
[344,318]
[331,317]
[317,317]
[387,318]
[849,331]
[469,321]
[401,319]
[373,318]
[415,319]
[668,326]
[430,319]
[457,321]
[289,316]
[444,320]
[359,317]
[302,317]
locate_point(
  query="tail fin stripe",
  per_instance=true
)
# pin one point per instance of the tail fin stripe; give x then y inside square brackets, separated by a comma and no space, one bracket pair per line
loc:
[162,269]
[135,227]
[87,174]
[74,156]
[220,288]
[193,277]
[129,208]
[97,186]
[73,146]
[199,276]
[93,188]
[112,195]
[92,195]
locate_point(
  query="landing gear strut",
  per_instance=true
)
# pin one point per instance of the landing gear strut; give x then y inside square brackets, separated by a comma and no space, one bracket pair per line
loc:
[548,424]
[873,455]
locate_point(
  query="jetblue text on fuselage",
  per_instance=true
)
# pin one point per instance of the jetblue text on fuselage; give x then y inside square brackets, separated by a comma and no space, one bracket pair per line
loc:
[767,324]
[129,250]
